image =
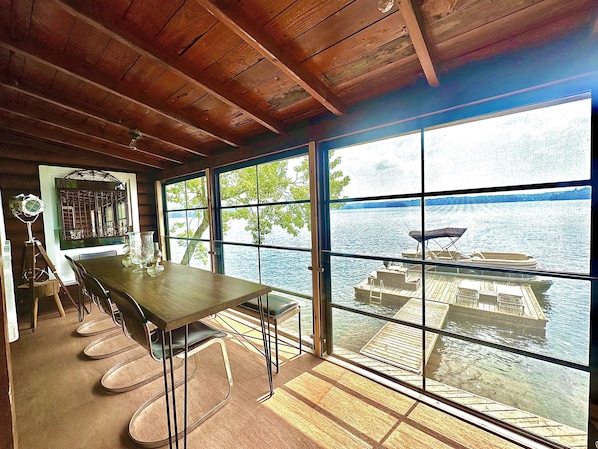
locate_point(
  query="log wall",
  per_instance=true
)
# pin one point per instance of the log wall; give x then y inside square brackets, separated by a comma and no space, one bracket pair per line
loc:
[20,158]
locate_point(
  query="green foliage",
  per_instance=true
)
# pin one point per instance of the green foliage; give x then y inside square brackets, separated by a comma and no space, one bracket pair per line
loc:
[268,183]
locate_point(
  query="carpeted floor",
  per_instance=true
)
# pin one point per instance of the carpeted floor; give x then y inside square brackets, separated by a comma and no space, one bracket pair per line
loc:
[61,405]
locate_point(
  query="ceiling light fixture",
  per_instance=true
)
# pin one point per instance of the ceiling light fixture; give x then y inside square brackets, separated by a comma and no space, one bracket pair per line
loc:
[134,134]
[385,5]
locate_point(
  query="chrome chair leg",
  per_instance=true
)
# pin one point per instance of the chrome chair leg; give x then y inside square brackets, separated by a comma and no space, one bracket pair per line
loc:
[175,434]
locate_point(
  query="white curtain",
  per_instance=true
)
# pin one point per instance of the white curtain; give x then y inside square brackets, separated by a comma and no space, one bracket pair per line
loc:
[9,289]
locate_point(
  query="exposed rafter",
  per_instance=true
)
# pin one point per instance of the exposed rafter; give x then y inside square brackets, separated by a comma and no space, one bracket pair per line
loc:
[255,36]
[51,132]
[81,130]
[19,146]
[90,75]
[188,72]
[414,24]
[69,106]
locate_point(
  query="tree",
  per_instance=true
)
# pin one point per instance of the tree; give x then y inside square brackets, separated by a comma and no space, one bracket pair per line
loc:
[273,182]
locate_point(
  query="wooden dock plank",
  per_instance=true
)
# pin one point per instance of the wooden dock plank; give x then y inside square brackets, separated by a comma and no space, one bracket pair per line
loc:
[402,345]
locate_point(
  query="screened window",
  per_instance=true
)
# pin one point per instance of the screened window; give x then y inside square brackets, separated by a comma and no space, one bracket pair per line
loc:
[187,222]
[264,213]
[442,261]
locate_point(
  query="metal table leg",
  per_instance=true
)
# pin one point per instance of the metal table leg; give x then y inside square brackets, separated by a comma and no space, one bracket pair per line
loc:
[266,337]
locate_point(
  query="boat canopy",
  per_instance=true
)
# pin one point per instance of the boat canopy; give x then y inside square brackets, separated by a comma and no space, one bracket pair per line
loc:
[452,233]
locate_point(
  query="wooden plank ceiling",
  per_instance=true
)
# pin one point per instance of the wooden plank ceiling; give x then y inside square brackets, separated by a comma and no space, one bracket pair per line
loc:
[200,77]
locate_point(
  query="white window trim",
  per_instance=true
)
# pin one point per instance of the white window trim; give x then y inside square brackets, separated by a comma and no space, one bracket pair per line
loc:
[47,176]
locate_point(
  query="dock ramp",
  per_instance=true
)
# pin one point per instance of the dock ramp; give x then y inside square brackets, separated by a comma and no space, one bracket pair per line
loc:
[400,345]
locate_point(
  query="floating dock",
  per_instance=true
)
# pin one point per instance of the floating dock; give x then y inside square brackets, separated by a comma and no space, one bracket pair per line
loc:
[396,350]
[482,299]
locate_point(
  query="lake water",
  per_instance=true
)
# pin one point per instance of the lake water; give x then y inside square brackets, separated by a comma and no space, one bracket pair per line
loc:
[556,233]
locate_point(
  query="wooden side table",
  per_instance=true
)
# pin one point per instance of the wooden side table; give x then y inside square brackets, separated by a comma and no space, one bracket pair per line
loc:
[50,287]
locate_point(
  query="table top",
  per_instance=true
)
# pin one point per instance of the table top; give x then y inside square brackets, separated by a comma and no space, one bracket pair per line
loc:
[180,295]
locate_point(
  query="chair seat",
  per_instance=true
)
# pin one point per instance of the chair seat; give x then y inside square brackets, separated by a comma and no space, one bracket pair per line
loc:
[275,307]
[199,333]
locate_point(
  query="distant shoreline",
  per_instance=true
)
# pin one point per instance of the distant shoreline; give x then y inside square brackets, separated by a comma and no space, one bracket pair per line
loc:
[582,193]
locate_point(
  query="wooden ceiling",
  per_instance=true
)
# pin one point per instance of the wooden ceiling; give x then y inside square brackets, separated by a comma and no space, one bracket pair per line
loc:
[201,77]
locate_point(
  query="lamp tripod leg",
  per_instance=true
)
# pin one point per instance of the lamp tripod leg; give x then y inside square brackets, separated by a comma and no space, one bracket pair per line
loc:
[42,251]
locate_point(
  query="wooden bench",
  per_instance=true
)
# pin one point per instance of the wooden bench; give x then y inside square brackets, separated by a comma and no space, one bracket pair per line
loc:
[511,304]
[510,300]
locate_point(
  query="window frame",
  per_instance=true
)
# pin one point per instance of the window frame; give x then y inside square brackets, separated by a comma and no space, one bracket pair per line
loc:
[167,238]
[489,108]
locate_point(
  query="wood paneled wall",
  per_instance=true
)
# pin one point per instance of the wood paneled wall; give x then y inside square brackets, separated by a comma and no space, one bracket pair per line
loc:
[19,161]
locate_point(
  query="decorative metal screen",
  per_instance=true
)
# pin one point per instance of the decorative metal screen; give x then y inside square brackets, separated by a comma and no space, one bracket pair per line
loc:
[93,205]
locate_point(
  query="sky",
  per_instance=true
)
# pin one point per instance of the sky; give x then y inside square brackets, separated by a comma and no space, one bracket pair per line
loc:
[549,144]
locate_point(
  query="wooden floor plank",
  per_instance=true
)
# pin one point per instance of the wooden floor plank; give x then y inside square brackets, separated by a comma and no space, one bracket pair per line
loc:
[551,430]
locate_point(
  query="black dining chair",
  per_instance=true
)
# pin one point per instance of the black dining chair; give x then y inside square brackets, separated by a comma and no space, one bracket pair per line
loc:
[95,326]
[98,325]
[81,293]
[105,304]
[128,374]
[199,336]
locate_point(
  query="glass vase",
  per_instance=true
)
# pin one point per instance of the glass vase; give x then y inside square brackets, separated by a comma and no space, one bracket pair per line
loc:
[126,260]
[154,268]
[142,249]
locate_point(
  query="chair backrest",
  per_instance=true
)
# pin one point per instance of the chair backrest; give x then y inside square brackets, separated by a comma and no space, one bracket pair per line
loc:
[134,320]
[84,256]
[97,290]
[80,267]
[75,269]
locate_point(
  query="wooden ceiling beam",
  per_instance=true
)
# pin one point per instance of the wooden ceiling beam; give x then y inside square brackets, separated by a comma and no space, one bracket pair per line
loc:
[21,123]
[25,110]
[69,106]
[89,74]
[85,131]
[248,30]
[19,147]
[415,26]
[188,72]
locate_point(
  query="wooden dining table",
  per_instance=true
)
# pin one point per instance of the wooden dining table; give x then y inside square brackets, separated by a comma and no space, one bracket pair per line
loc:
[180,296]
